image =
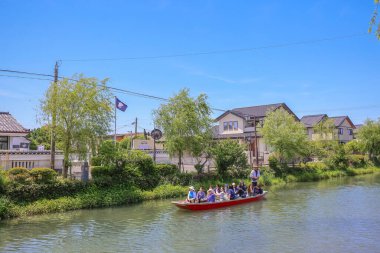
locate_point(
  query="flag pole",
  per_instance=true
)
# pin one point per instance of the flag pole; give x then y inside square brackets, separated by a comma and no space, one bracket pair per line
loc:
[115,121]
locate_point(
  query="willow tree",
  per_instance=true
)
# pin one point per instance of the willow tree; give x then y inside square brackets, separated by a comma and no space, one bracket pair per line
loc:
[285,135]
[83,113]
[186,124]
[369,136]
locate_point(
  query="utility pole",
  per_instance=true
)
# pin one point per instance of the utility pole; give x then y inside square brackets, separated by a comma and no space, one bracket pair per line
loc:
[136,127]
[54,117]
[256,150]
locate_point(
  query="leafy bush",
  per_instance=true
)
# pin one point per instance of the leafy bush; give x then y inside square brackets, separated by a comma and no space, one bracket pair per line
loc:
[43,175]
[31,192]
[338,160]
[229,154]
[165,170]
[4,208]
[19,175]
[359,161]
[2,181]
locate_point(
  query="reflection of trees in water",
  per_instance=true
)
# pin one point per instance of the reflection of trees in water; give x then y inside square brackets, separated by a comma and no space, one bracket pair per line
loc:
[80,228]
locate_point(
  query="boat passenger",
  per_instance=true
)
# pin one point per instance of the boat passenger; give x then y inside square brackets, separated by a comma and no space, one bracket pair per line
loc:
[226,187]
[255,175]
[231,193]
[242,190]
[217,189]
[257,190]
[210,195]
[235,188]
[191,196]
[201,196]
[250,190]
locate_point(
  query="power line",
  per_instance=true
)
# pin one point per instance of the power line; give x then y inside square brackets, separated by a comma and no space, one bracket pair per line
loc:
[213,52]
[118,90]
[25,77]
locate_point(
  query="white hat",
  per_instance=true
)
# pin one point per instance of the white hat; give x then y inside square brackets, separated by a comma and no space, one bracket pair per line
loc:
[192,188]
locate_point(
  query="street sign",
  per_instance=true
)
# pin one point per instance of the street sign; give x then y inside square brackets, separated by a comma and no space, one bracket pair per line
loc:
[156,134]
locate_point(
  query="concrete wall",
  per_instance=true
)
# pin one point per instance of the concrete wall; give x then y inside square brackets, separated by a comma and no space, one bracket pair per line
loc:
[28,159]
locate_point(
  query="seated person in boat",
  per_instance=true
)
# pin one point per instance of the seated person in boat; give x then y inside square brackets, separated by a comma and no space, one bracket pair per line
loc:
[191,196]
[217,189]
[257,190]
[235,188]
[201,196]
[226,187]
[250,190]
[231,193]
[242,190]
[210,195]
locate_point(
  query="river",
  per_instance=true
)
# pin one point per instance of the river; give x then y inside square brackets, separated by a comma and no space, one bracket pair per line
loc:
[337,215]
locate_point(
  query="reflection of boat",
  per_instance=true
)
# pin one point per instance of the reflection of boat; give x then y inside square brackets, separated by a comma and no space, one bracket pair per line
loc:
[217,204]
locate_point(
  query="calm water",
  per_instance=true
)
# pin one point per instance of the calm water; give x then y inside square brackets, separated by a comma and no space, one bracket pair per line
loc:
[341,215]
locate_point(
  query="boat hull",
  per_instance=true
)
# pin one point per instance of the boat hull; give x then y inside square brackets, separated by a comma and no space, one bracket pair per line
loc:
[218,204]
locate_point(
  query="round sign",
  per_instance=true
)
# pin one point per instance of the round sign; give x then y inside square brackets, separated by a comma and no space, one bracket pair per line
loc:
[156,134]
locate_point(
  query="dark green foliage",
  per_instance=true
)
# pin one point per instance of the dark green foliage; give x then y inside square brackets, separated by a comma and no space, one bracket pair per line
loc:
[4,208]
[338,160]
[2,181]
[43,175]
[31,192]
[165,170]
[19,175]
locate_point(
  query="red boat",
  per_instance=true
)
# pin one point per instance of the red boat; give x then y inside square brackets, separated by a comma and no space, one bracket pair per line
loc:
[217,204]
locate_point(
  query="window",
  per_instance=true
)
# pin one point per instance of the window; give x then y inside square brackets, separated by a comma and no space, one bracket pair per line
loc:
[235,125]
[230,126]
[350,132]
[3,142]
[340,131]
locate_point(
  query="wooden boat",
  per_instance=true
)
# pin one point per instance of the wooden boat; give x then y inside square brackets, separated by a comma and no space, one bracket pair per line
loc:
[217,204]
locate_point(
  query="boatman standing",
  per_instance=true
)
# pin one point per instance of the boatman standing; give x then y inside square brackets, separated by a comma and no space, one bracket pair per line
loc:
[255,175]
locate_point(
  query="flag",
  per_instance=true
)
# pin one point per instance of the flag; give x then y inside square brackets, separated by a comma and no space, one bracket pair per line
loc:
[120,105]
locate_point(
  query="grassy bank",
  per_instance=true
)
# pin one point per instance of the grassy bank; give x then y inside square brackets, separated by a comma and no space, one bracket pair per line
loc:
[95,197]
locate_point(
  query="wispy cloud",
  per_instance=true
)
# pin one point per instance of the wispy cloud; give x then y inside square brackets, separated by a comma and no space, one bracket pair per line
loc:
[8,94]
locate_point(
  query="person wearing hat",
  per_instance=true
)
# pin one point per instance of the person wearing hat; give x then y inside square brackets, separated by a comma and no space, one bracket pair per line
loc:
[191,196]
[255,175]
[210,195]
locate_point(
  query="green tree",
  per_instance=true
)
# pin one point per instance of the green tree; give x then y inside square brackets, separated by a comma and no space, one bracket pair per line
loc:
[325,130]
[229,154]
[374,21]
[285,135]
[83,113]
[186,124]
[369,136]
[40,136]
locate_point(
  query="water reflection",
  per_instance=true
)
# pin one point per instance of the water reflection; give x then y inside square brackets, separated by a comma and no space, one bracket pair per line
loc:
[339,215]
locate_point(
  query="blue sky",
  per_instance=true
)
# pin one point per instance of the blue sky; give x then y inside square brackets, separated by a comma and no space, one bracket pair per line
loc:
[337,77]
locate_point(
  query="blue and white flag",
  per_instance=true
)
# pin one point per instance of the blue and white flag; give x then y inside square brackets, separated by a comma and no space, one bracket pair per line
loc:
[120,105]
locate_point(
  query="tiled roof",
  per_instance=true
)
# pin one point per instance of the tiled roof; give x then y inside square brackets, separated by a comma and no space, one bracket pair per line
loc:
[338,120]
[312,120]
[8,124]
[256,111]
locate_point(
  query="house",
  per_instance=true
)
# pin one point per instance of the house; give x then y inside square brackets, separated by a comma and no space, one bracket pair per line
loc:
[14,147]
[343,127]
[244,124]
